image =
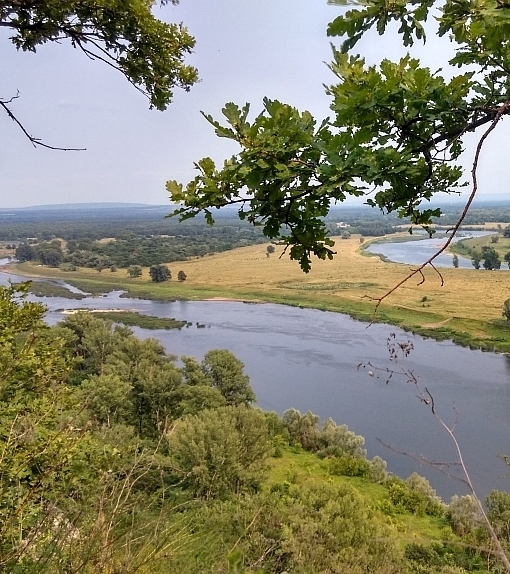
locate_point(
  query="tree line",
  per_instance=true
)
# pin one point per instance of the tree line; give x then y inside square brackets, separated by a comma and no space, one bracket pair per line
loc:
[131,254]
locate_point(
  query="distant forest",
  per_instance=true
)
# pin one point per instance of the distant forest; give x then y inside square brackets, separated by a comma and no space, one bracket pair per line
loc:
[143,235]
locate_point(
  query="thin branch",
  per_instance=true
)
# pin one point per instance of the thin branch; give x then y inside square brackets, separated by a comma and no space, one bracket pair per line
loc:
[426,397]
[501,111]
[35,141]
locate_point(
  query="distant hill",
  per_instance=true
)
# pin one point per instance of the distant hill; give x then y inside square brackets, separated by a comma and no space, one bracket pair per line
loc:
[84,206]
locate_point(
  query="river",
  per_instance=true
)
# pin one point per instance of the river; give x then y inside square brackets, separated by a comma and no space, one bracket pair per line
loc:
[417,251]
[308,359]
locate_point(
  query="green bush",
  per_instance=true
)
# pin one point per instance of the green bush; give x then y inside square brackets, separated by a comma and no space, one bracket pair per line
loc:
[347,465]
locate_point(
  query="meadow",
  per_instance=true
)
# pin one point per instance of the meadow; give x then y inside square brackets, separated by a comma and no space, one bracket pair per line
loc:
[466,306]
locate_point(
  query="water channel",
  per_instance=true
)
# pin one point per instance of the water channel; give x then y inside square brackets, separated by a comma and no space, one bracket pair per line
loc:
[308,359]
[416,252]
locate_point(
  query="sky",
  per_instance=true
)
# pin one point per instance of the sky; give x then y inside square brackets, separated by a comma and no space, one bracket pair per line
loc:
[244,51]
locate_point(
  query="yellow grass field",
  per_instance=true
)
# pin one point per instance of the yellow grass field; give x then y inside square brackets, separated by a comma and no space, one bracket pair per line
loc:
[467,307]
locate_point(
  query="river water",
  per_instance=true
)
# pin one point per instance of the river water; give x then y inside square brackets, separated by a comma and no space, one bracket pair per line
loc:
[308,359]
[417,251]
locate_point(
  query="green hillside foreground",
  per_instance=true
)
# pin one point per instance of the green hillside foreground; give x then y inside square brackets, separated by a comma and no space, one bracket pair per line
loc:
[116,459]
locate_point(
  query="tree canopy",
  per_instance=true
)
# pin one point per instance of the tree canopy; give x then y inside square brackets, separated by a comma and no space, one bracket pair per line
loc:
[397,129]
[125,35]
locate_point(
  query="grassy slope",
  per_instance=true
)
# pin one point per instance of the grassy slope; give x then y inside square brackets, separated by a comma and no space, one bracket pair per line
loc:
[300,467]
[467,308]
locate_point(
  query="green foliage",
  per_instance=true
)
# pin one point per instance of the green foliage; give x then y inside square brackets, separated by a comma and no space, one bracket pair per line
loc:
[134,319]
[377,470]
[463,514]
[108,398]
[414,495]
[50,289]
[160,273]
[397,127]
[44,455]
[347,465]
[91,341]
[221,451]
[476,259]
[190,400]
[181,276]
[306,528]
[328,440]
[226,374]
[127,36]
[506,309]
[498,513]
[134,271]
[24,252]
[491,258]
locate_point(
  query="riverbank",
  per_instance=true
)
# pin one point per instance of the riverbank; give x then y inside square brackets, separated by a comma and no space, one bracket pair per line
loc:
[466,308]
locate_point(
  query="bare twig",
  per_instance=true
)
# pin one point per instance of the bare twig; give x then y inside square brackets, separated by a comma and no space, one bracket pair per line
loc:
[35,141]
[424,395]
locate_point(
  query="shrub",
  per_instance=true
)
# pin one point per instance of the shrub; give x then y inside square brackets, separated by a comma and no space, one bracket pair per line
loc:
[348,465]
[463,514]
[221,451]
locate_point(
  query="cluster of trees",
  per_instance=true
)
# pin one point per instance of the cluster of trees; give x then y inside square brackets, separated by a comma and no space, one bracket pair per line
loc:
[116,458]
[487,257]
[47,253]
[123,253]
[51,254]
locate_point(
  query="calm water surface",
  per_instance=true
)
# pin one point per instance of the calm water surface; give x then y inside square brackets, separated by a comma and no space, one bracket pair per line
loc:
[418,251]
[308,359]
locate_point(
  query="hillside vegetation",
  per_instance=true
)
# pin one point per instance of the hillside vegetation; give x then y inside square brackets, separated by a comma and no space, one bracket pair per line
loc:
[117,459]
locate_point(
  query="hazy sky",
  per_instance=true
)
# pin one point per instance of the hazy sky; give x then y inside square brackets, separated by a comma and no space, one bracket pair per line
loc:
[245,51]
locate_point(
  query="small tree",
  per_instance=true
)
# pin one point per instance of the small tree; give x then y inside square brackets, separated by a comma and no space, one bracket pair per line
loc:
[506,309]
[25,252]
[160,273]
[455,261]
[494,238]
[50,256]
[181,276]
[476,258]
[221,451]
[269,250]
[506,257]
[491,258]
[226,373]
[134,271]
[346,235]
